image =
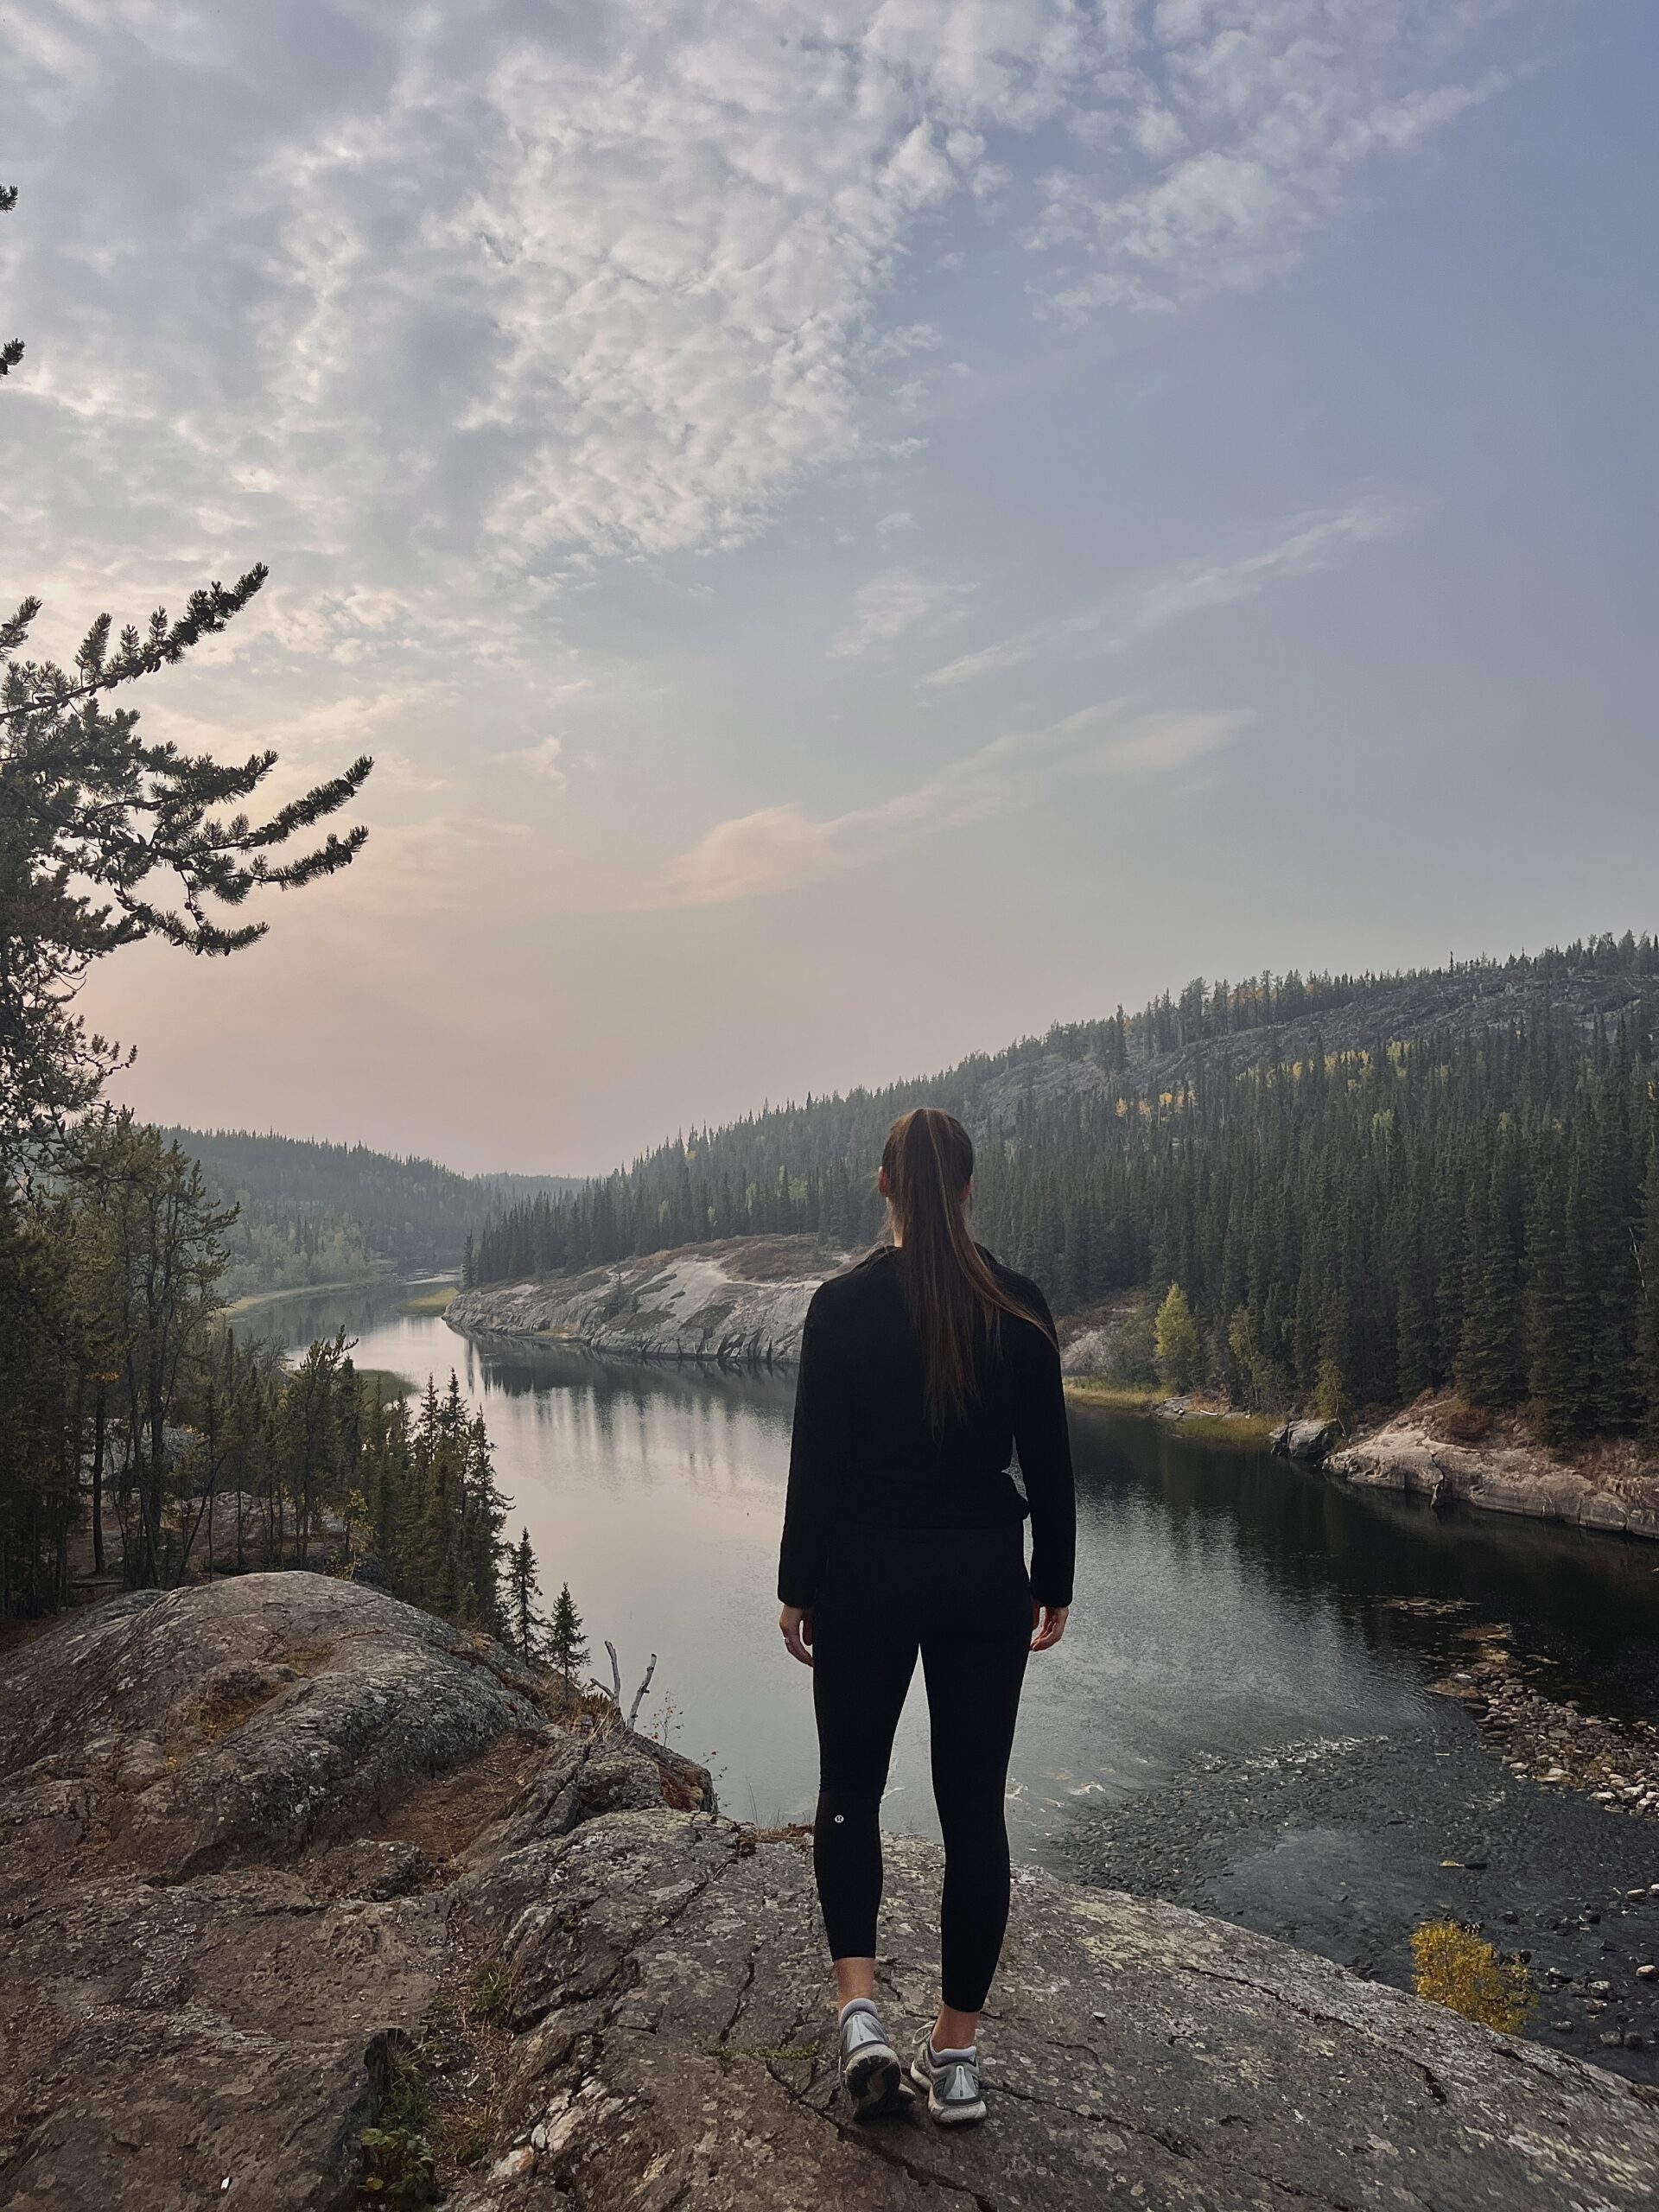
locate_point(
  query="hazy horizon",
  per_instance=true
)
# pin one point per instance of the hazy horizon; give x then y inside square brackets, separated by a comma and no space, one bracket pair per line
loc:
[854,532]
[684,1129]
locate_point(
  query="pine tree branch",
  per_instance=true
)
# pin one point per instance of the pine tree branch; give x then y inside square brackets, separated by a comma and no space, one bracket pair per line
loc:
[139,652]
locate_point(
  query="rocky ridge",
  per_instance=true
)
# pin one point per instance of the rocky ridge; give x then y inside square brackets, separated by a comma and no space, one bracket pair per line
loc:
[1059,1069]
[738,1303]
[275,1847]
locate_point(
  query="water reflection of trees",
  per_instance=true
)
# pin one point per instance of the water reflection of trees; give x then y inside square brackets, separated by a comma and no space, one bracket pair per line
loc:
[1588,1600]
[522,1371]
[1310,1547]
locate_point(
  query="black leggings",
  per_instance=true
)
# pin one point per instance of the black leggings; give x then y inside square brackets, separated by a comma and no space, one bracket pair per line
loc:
[960,1597]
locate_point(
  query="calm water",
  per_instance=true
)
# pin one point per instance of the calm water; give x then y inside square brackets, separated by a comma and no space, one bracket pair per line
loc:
[1225,1602]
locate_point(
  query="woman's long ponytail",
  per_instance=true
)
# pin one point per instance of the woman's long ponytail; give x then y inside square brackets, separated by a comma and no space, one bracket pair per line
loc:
[953,1297]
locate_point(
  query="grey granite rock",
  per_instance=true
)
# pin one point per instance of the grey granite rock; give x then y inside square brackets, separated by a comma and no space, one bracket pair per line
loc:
[1611,1486]
[1304,1440]
[227,1820]
[288,1709]
[741,1303]
[677,2047]
[197,2006]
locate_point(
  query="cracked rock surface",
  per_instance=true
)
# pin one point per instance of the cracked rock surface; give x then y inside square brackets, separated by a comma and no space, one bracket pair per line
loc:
[676,2049]
[257,1833]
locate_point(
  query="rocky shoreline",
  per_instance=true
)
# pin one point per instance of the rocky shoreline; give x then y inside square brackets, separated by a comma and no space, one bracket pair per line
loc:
[296,1877]
[1612,1486]
[738,1303]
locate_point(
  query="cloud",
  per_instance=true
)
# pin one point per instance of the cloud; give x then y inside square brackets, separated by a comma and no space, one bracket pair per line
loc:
[460,315]
[775,849]
[1160,743]
[1235,136]
[1308,545]
[610,283]
[780,848]
[898,345]
[540,760]
[894,602]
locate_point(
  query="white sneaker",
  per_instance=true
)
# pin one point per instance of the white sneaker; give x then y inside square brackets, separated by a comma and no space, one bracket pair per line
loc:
[954,2095]
[870,2072]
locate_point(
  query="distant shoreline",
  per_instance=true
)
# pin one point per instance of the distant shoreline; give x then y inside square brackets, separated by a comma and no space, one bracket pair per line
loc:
[388,1274]
[1199,1423]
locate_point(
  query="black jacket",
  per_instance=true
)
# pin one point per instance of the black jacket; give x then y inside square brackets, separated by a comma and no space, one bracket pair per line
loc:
[862,1450]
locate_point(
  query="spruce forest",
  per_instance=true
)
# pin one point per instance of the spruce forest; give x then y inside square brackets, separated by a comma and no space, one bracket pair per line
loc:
[1364,1188]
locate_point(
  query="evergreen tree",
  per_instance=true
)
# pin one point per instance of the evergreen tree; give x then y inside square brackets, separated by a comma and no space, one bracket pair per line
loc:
[527,1630]
[565,1642]
[1489,1351]
[484,1517]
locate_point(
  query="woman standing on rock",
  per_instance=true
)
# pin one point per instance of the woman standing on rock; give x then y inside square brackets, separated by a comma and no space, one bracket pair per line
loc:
[923,1369]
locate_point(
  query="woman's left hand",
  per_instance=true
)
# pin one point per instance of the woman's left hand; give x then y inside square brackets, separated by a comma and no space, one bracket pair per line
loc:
[1048,1625]
[795,1622]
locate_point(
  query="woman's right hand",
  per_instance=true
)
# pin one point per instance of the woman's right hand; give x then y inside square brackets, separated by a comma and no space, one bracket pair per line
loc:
[795,1622]
[1048,1625]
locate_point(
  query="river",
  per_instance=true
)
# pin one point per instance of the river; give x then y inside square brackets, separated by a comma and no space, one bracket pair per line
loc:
[1240,1714]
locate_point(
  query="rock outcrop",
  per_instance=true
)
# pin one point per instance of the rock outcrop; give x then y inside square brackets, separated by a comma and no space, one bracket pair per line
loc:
[1504,1471]
[738,1303]
[277,1846]
[1303,1440]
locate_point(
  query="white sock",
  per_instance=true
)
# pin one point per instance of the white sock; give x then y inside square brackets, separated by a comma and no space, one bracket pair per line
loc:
[945,2057]
[854,2004]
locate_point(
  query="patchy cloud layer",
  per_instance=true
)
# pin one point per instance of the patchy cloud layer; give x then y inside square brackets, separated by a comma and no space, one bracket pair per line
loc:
[704,446]
[539,283]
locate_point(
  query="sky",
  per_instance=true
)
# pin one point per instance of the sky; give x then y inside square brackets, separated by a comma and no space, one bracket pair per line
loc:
[853,529]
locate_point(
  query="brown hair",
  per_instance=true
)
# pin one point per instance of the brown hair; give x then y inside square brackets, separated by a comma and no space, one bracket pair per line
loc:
[951,1294]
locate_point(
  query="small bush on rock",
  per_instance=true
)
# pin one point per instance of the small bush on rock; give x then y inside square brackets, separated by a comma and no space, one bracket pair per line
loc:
[398,2164]
[400,2168]
[1454,1966]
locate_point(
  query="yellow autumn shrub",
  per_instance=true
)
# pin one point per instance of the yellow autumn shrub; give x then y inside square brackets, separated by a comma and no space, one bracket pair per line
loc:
[1454,1966]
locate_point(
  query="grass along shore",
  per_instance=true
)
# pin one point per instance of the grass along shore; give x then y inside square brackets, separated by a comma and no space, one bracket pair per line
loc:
[433,1300]
[235,1308]
[1199,1423]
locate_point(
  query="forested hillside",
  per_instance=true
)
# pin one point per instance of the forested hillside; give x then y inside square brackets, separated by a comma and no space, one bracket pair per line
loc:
[311,1212]
[1362,1186]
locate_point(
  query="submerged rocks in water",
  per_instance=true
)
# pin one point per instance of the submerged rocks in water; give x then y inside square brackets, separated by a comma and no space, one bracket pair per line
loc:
[275,1843]
[1551,1740]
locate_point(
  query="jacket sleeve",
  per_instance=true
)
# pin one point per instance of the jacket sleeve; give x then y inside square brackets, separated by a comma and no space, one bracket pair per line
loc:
[814,1463]
[1044,1444]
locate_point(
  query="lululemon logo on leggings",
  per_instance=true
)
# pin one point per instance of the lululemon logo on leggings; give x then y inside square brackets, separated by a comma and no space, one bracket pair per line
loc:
[840,1817]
